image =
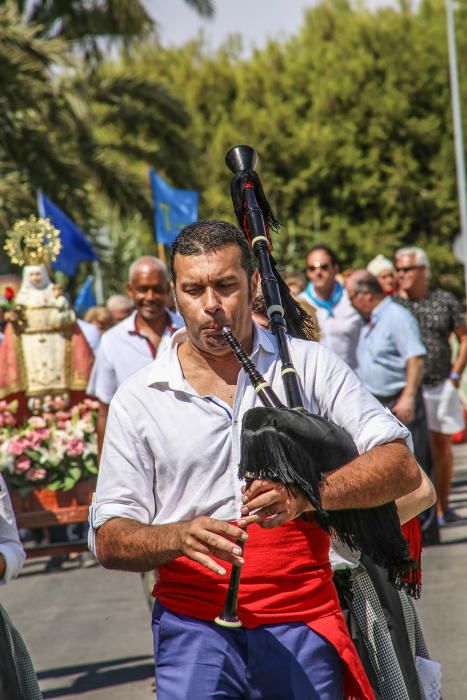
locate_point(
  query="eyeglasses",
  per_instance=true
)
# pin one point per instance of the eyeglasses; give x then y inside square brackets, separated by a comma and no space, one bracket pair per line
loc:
[318,266]
[408,268]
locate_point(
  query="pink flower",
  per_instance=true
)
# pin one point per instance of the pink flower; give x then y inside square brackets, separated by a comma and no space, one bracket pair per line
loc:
[91,404]
[22,464]
[75,447]
[37,422]
[36,437]
[48,417]
[8,418]
[62,424]
[36,474]
[16,446]
[3,405]
[63,415]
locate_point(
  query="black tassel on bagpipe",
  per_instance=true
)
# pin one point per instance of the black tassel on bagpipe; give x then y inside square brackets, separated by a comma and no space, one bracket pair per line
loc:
[298,448]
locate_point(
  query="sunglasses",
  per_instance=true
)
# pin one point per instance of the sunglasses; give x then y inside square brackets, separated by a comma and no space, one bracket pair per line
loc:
[408,268]
[318,266]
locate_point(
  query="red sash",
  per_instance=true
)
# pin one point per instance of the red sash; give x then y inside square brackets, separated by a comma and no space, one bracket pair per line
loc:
[286,578]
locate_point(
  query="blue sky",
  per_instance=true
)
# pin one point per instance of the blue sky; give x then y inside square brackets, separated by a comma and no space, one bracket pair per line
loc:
[255,20]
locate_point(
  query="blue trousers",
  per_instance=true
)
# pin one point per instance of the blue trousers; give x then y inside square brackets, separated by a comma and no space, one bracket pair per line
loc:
[198,660]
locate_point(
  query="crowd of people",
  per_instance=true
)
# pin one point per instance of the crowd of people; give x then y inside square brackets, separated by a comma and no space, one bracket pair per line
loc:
[173,505]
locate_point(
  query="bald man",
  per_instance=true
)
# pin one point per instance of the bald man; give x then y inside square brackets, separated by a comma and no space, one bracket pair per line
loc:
[138,339]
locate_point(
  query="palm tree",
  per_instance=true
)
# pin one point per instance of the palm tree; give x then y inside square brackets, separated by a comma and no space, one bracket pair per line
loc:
[86,23]
[76,129]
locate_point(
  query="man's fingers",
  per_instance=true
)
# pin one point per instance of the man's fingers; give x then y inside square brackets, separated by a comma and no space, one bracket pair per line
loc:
[265,520]
[264,500]
[220,527]
[217,543]
[225,556]
[209,563]
[206,536]
[260,486]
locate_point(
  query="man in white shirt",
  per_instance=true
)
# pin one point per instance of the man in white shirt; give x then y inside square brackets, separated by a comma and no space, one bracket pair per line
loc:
[17,677]
[339,323]
[138,339]
[168,495]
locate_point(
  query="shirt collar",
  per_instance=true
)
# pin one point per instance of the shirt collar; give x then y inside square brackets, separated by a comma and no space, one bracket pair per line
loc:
[129,323]
[167,369]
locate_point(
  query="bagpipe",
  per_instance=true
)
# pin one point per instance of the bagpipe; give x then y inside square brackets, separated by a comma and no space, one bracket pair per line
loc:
[287,443]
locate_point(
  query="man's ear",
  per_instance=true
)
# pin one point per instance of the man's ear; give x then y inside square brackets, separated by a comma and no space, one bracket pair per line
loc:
[129,290]
[177,305]
[254,283]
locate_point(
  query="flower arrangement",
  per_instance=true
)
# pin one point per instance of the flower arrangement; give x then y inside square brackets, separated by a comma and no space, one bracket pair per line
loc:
[53,450]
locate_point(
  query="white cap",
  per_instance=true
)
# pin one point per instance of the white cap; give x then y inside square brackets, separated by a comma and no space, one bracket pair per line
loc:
[378,264]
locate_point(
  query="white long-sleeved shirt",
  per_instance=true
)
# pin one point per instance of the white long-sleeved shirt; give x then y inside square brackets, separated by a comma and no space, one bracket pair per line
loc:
[170,454]
[123,350]
[10,545]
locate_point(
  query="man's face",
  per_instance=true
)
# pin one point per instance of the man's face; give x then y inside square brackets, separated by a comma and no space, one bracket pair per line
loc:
[320,270]
[212,290]
[409,274]
[387,280]
[362,302]
[149,290]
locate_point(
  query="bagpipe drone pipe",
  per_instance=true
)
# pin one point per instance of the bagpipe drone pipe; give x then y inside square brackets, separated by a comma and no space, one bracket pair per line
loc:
[287,443]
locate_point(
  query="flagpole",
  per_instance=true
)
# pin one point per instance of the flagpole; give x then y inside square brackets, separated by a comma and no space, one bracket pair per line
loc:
[160,246]
[161,251]
[98,284]
[458,136]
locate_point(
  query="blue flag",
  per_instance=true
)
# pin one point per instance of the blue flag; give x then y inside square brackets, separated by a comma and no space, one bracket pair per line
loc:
[173,209]
[85,297]
[75,246]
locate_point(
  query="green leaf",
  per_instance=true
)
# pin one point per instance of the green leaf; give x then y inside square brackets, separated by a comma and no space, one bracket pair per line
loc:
[55,485]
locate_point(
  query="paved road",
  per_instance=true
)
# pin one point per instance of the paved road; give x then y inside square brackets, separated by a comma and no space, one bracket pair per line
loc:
[88,631]
[443,605]
[89,636]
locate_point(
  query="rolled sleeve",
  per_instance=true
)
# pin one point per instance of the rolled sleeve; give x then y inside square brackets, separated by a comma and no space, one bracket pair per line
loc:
[10,545]
[407,337]
[125,484]
[344,400]
[103,380]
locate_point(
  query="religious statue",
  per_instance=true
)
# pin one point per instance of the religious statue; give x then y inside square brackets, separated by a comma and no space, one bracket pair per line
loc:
[44,357]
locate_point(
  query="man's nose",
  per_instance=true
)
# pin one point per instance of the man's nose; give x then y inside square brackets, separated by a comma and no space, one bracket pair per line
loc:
[211,301]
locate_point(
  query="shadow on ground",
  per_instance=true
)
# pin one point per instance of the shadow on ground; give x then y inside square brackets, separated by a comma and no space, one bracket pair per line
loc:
[95,676]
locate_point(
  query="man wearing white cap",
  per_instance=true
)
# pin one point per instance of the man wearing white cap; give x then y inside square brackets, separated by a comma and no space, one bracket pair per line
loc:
[385,272]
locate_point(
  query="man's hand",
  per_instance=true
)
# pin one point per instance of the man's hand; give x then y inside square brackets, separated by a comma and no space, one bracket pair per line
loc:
[199,538]
[404,408]
[272,504]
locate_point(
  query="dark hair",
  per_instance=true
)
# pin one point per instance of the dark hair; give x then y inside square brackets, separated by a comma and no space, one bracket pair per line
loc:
[328,250]
[207,237]
[368,283]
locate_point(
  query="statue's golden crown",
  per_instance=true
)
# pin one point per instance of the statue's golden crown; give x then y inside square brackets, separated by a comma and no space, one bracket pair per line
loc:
[33,241]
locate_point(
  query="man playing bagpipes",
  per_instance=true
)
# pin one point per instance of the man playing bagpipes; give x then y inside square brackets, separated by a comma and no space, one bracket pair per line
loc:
[168,495]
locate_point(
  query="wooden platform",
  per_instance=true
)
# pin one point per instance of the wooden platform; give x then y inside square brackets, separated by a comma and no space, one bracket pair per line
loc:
[43,509]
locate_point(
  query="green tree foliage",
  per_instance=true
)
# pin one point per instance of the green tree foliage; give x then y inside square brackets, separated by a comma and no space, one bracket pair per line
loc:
[80,130]
[352,122]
